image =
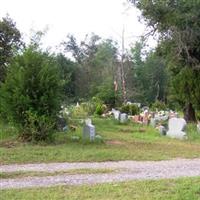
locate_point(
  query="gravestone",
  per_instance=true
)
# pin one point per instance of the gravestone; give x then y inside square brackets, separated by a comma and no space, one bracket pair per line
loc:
[89,132]
[123,117]
[176,128]
[116,114]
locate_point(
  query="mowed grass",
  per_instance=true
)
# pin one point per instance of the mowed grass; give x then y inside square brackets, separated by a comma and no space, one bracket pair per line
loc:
[121,142]
[172,189]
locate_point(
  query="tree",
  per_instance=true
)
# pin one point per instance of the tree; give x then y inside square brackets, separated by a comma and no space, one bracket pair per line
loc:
[178,24]
[83,53]
[96,61]
[154,78]
[67,70]
[31,95]
[10,42]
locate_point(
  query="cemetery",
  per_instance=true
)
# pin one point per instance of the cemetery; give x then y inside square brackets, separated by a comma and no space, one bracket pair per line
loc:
[100,100]
[150,135]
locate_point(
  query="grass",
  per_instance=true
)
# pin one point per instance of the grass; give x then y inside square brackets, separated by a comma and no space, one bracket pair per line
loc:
[122,142]
[22,174]
[172,189]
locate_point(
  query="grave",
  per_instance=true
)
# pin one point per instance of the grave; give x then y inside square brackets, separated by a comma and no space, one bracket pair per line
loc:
[88,130]
[176,128]
[123,118]
[116,114]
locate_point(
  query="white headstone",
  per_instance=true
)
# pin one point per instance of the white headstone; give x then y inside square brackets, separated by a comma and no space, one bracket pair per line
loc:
[123,117]
[116,114]
[89,132]
[176,128]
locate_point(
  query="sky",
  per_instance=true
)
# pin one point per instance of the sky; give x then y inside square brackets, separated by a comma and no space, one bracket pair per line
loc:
[105,18]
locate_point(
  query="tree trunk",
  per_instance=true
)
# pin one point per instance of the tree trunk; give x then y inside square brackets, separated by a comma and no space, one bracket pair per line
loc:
[189,113]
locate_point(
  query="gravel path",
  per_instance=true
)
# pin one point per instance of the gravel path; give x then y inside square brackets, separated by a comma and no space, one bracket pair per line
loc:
[127,170]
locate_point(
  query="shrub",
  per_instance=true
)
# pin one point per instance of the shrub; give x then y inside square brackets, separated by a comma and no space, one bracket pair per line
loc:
[98,106]
[130,109]
[37,127]
[99,109]
[31,94]
[158,105]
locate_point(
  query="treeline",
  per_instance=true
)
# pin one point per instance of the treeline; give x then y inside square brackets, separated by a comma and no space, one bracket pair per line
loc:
[98,68]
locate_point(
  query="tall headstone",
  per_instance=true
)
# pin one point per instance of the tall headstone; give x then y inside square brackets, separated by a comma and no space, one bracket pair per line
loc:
[88,130]
[176,128]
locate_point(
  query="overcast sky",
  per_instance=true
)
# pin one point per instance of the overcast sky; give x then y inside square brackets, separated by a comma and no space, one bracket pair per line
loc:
[79,17]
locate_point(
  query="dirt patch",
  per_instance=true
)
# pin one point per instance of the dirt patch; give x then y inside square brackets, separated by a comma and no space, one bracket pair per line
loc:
[9,144]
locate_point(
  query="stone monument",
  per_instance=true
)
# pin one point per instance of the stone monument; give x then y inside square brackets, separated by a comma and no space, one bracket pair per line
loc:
[176,128]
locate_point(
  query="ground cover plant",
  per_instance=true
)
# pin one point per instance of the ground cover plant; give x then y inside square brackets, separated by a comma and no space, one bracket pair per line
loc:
[120,142]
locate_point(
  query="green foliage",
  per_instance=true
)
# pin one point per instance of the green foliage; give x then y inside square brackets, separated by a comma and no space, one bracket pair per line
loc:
[37,127]
[31,94]
[67,70]
[89,107]
[78,112]
[158,105]
[100,108]
[149,75]
[10,41]
[95,60]
[178,25]
[130,109]
[107,94]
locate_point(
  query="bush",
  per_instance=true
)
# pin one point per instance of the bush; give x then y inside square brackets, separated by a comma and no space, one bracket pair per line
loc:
[37,127]
[130,109]
[100,108]
[31,94]
[158,105]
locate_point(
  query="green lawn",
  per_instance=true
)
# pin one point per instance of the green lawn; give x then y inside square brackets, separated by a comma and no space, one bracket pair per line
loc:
[172,189]
[121,142]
